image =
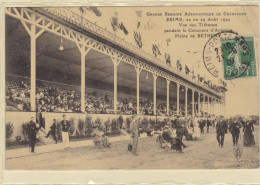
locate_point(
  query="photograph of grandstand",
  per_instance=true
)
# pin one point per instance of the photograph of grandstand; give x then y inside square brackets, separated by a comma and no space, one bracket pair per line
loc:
[105,85]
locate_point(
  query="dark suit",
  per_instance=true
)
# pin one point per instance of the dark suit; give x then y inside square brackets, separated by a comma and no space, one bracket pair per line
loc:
[201,125]
[221,128]
[180,130]
[32,131]
[121,121]
[53,132]
[235,131]
[208,125]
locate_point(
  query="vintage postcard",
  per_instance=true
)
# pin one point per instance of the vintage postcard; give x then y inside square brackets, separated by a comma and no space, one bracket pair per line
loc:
[131,87]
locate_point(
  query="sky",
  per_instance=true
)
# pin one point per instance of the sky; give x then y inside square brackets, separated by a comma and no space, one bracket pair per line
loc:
[242,95]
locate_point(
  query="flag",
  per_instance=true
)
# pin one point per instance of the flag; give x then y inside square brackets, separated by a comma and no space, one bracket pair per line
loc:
[138,13]
[222,83]
[210,83]
[179,66]
[95,10]
[168,41]
[193,74]
[200,79]
[116,25]
[92,9]
[81,9]
[138,39]
[138,24]
[187,70]
[156,49]
[122,27]
[167,58]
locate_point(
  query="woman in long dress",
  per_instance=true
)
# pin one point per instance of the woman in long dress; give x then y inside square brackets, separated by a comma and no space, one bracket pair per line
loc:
[248,130]
[196,127]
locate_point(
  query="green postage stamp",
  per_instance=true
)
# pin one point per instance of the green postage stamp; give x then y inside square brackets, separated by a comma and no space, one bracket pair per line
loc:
[238,57]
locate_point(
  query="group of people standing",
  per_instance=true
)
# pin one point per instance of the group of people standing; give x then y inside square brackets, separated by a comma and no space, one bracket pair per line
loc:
[234,126]
[32,131]
[191,128]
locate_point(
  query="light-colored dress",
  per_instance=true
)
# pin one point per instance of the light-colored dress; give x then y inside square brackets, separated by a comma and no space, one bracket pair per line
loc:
[196,128]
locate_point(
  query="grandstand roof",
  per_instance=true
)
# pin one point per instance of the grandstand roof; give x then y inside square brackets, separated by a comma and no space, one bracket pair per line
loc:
[50,59]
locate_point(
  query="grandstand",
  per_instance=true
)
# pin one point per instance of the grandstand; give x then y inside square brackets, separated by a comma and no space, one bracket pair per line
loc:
[57,61]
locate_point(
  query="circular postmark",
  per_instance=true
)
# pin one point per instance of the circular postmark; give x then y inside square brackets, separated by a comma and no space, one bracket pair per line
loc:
[219,56]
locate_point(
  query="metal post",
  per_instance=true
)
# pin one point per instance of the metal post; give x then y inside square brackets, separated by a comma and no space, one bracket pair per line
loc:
[213,106]
[138,71]
[199,103]
[203,105]
[193,102]
[83,53]
[208,108]
[83,84]
[154,93]
[168,96]
[33,69]
[178,100]
[221,113]
[186,101]
[116,62]
[31,30]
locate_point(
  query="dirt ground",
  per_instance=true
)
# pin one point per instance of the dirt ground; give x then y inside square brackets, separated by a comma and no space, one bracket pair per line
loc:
[201,154]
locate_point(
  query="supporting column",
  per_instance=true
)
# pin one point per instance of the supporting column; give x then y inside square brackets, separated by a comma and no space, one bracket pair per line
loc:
[138,71]
[203,105]
[216,107]
[31,30]
[33,70]
[219,108]
[186,101]
[83,52]
[193,102]
[208,106]
[213,106]
[221,113]
[224,109]
[116,62]
[154,93]
[199,103]
[178,98]
[168,96]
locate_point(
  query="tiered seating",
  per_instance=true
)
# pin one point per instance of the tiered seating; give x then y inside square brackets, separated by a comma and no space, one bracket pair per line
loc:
[60,98]
[17,95]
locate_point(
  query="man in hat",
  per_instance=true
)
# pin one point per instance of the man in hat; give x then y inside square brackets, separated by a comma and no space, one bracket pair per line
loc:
[53,131]
[180,128]
[201,125]
[235,130]
[65,131]
[208,124]
[32,131]
[134,128]
[221,129]
[121,121]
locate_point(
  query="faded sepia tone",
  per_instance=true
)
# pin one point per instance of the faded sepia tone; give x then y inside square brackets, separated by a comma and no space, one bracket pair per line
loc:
[106,78]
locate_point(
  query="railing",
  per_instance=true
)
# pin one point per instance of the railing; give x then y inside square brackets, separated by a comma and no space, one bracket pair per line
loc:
[77,20]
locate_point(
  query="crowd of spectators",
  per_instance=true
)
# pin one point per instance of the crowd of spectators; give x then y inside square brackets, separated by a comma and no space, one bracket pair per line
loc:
[18,93]
[59,98]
